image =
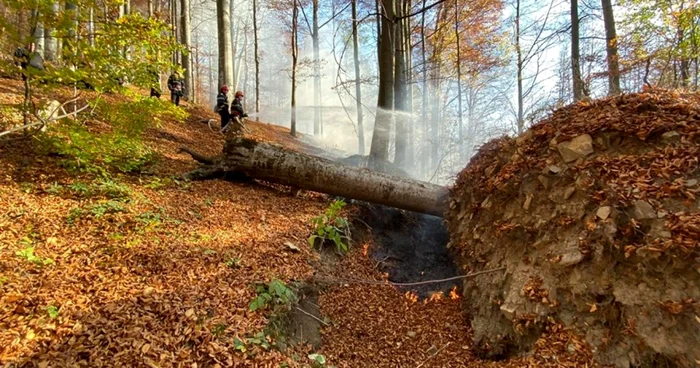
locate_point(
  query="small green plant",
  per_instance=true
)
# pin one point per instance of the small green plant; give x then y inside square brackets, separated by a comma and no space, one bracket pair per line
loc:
[97,210]
[80,189]
[208,252]
[150,220]
[317,360]
[158,183]
[259,339]
[27,187]
[219,329]
[52,311]
[55,189]
[113,189]
[108,207]
[28,254]
[331,226]
[234,262]
[276,295]
[3,280]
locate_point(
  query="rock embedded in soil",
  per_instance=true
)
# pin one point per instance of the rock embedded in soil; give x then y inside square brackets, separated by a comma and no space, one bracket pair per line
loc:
[642,210]
[576,148]
[604,212]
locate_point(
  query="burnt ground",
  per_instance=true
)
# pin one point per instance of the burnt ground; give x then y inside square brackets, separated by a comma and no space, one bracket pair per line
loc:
[411,247]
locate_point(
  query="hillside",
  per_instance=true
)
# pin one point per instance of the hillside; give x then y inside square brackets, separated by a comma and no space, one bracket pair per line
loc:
[142,269]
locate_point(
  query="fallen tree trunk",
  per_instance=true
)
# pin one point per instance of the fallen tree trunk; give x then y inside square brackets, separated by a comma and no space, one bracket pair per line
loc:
[275,164]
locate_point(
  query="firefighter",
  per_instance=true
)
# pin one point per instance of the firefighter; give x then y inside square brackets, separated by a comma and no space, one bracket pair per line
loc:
[222,107]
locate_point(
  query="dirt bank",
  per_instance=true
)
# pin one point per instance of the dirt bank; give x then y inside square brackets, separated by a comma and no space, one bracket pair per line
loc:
[594,213]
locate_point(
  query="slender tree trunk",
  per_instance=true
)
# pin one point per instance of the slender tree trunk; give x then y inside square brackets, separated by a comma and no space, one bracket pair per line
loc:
[223,20]
[71,44]
[401,90]
[317,70]
[460,119]
[150,8]
[91,27]
[358,83]
[127,7]
[424,99]
[295,54]
[410,123]
[385,101]
[212,85]
[257,61]
[234,45]
[38,33]
[50,41]
[518,50]
[186,56]
[611,49]
[579,87]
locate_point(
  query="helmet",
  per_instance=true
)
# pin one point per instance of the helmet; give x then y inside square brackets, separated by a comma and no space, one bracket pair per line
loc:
[239,94]
[224,89]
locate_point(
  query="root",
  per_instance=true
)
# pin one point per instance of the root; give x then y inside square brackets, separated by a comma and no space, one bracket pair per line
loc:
[198,157]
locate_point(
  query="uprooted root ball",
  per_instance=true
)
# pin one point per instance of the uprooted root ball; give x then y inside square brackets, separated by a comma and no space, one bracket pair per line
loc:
[594,212]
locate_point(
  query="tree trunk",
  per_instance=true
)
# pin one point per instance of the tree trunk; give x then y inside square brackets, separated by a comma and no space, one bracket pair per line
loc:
[38,33]
[460,120]
[385,101]
[50,41]
[186,41]
[295,55]
[150,8]
[402,114]
[518,50]
[358,84]
[275,164]
[611,49]
[579,87]
[424,98]
[317,70]
[223,21]
[257,61]
[72,40]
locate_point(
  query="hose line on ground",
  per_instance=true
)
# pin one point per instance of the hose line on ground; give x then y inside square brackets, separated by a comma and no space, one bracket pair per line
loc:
[372,282]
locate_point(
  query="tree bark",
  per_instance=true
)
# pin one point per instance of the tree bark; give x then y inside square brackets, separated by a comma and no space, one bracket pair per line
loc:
[579,87]
[317,70]
[223,21]
[38,33]
[186,41]
[402,114]
[460,120]
[50,41]
[257,60]
[295,54]
[385,101]
[519,52]
[358,84]
[271,163]
[611,49]
[150,8]
[424,99]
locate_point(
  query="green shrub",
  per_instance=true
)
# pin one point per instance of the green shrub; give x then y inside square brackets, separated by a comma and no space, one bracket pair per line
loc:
[331,226]
[276,296]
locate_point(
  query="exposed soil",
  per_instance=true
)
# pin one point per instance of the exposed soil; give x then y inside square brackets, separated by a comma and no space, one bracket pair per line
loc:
[594,212]
[411,248]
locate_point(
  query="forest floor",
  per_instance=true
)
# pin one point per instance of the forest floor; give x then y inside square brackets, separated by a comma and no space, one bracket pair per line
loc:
[143,269]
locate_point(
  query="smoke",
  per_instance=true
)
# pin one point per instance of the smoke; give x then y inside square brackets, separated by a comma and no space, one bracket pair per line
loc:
[435,153]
